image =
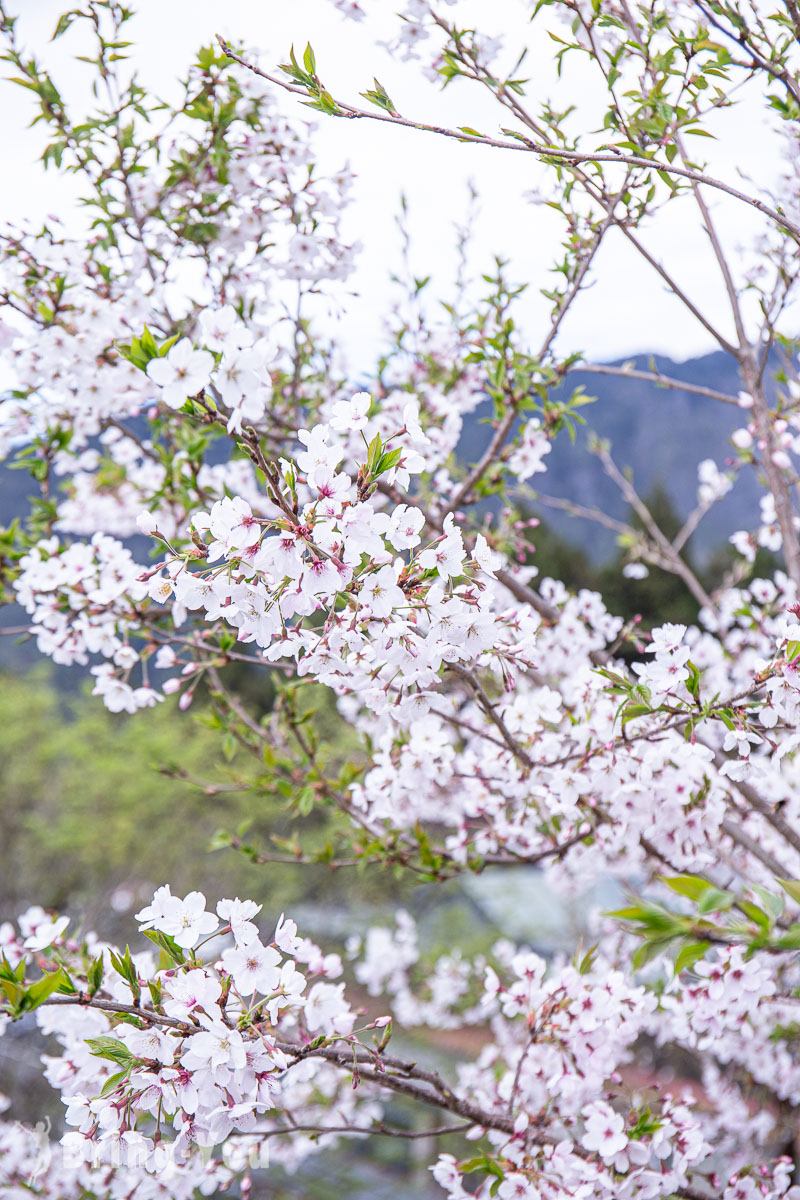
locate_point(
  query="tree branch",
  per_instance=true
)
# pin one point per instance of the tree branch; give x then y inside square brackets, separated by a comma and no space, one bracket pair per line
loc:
[554,154]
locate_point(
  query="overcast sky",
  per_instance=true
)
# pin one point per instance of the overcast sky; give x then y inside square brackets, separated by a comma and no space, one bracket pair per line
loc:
[626,311]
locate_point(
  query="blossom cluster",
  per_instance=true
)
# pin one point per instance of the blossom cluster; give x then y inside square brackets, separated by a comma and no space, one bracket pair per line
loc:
[172,386]
[251,1044]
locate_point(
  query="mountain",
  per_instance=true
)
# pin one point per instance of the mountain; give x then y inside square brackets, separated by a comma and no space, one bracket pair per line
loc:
[660,433]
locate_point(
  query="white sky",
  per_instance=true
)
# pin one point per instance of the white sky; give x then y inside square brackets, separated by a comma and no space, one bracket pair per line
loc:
[627,311]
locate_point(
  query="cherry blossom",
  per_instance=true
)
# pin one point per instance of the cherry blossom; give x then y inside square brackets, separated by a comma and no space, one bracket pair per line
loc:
[337,528]
[182,373]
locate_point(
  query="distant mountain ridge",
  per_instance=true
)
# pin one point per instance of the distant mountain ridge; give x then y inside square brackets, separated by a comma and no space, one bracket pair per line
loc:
[660,433]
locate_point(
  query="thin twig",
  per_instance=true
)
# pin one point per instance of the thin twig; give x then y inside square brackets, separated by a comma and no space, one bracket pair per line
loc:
[665,381]
[548,153]
[673,560]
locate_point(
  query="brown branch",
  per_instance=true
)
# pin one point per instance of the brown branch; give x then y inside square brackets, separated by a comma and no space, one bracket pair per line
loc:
[553,154]
[234,704]
[379,1128]
[744,39]
[773,817]
[507,423]
[489,709]
[719,253]
[738,835]
[689,526]
[135,1010]
[580,510]
[487,458]
[665,381]
[676,289]
[390,1073]
[673,560]
[776,480]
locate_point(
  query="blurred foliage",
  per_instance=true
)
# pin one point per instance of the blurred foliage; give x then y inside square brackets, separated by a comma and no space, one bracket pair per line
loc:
[89,822]
[95,811]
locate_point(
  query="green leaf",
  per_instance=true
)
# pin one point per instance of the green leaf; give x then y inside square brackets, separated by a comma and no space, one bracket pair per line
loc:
[646,1124]
[483,1163]
[791,886]
[166,346]
[221,840]
[324,103]
[309,61]
[388,460]
[110,1048]
[14,994]
[634,913]
[374,452]
[693,682]
[631,711]
[772,904]
[305,800]
[148,344]
[94,976]
[649,950]
[40,991]
[715,900]
[167,944]
[10,973]
[755,914]
[123,965]
[113,1082]
[691,886]
[689,955]
[140,350]
[587,961]
[380,97]
[790,940]
[64,22]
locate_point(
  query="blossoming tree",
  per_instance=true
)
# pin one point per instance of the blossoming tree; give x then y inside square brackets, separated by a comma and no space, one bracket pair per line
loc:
[173,382]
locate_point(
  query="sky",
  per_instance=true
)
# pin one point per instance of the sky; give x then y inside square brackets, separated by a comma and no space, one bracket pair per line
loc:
[626,311]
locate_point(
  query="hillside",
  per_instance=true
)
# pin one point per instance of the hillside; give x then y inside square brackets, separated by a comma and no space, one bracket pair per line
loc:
[660,433]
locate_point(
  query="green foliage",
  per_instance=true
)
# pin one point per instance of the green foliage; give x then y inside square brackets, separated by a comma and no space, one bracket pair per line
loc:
[87,810]
[711,916]
[112,1049]
[380,98]
[22,999]
[306,78]
[140,350]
